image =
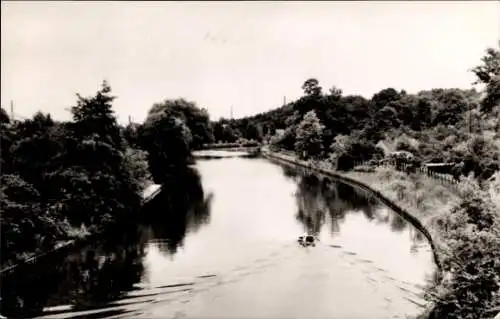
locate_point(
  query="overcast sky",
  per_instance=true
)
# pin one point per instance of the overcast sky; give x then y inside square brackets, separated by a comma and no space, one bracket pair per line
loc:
[246,54]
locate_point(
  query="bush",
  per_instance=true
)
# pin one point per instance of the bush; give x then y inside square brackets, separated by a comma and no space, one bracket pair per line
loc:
[471,260]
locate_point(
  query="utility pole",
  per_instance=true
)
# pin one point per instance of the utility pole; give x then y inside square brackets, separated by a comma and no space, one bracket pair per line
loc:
[12,109]
[129,119]
[231,112]
[284,100]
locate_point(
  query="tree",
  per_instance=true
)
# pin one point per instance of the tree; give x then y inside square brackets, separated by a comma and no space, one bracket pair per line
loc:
[451,104]
[35,148]
[131,134]
[7,138]
[479,155]
[197,120]
[253,132]
[422,113]
[387,117]
[309,137]
[94,115]
[488,73]
[4,117]
[218,129]
[95,186]
[472,259]
[167,139]
[384,97]
[22,221]
[136,162]
[311,87]
[230,134]
[335,92]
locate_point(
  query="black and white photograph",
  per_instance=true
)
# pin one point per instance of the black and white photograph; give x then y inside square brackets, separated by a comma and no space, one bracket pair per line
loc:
[250,160]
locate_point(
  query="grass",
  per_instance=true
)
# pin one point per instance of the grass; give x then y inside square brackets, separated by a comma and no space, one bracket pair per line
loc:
[423,197]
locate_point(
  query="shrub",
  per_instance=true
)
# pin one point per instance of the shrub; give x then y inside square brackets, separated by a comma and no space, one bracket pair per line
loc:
[471,260]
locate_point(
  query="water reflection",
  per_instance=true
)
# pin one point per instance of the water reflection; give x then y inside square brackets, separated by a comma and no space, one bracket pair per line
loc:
[95,275]
[180,207]
[88,278]
[318,197]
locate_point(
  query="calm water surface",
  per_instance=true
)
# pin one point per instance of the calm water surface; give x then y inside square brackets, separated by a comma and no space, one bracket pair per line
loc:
[221,242]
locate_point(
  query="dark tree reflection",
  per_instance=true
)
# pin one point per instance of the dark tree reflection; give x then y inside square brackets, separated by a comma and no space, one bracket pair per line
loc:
[88,278]
[398,223]
[289,172]
[319,196]
[180,207]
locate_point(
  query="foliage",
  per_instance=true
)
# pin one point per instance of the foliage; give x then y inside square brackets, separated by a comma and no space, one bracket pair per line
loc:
[472,235]
[94,116]
[167,140]
[478,155]
[311,87]
[309,137]
[23,226]
[136,162]
[60,177]
[347,150]
[405,143]
[253,132]
[131,135]
[172,129]
[223,132]
[196,119]
[284,139]
[488,73]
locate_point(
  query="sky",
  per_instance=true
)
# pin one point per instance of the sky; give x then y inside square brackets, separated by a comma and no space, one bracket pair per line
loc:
[249,55]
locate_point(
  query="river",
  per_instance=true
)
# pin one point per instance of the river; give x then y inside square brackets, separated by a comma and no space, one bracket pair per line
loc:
[220,241]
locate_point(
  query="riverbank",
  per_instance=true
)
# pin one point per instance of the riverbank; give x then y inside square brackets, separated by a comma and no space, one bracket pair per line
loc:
[423,198]
[78,236]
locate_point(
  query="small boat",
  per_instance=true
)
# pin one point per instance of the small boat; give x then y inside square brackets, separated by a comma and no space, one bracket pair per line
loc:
[306,239]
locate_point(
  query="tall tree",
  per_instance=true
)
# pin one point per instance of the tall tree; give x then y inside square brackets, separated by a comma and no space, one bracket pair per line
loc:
[384,97]
[167,139]
[94,116]
[195,118]
[311,87]
[488,73]
[35,148]
[253,132]
[95,186]
[309,141]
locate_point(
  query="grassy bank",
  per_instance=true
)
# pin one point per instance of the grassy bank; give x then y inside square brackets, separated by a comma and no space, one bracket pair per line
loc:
[424,198]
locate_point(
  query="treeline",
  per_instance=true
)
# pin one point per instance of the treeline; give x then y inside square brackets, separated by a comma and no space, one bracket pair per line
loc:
[67,180]
[459,126]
